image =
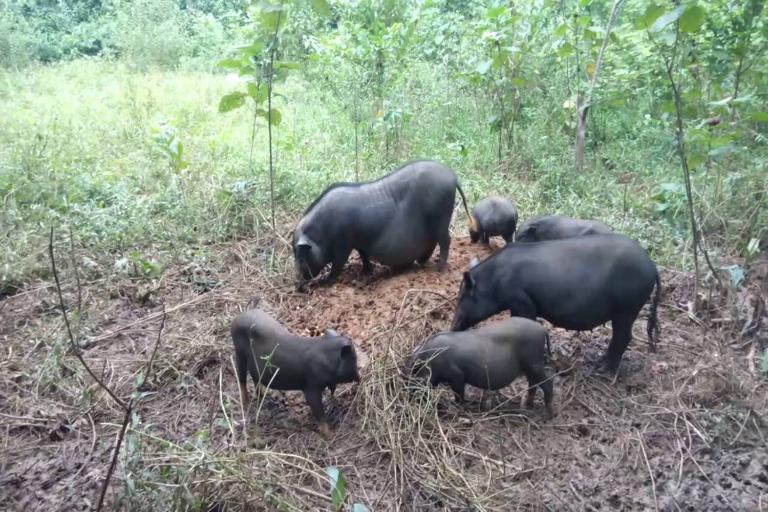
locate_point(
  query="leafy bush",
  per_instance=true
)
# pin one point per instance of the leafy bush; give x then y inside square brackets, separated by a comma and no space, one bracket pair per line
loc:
[150,33]
[17,40]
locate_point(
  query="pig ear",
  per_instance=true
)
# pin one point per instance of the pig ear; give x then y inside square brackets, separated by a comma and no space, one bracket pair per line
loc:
[330,333]
[475,262]
[469,281]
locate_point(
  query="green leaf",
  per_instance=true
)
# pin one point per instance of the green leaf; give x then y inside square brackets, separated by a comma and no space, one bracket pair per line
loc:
[722,150]
[519,81]
[338,487]
[668,37]
[584,20]
[561,30]
[692,19]
[251,50]
[759,117]
[484,66]
[495,12]
[281,64]
[272,16]
[721,103]
[321,7]
[494,123]
[743,99]
[229,63]
[696,160]
[565,50]
[257,92]
[652,13]
[667,18]
[277,117]
[668,107]
[231,101]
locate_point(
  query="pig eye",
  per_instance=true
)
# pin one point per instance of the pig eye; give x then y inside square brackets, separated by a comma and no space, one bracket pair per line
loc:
[346,350]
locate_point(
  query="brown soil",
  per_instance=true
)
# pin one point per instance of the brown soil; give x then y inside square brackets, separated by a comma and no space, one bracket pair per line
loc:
[681,429]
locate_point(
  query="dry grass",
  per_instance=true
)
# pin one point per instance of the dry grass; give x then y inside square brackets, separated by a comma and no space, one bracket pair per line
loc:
[683,428]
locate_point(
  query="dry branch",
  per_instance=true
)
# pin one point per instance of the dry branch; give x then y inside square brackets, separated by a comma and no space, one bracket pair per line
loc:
[75,348]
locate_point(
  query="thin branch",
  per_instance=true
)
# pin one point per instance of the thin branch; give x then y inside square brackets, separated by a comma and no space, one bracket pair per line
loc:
[583,108]
[113,463]
[75,348]
[127,416]
[148,369]
[77,274]
[271,74]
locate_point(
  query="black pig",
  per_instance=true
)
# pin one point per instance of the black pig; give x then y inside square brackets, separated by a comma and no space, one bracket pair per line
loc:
[555,227]
[574,283]
[489,358]
[493,216]
[280,360]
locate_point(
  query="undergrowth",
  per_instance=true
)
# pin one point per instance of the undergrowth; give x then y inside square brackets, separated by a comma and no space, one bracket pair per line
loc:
[86,144]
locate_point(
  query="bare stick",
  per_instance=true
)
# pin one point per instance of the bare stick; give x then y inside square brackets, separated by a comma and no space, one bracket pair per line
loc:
[148,369]
[650,471]
[77,274]
[127,416]
[113,463]
[75,348]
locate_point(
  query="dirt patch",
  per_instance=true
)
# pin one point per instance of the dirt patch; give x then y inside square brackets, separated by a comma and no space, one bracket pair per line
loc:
[681,429]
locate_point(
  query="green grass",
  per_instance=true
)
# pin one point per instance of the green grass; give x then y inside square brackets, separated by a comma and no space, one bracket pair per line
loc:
[79,147]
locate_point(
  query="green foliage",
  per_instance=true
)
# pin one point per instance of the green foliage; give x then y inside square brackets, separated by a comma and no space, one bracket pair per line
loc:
[150,32]
[338,487]
[339,491]
[17,40]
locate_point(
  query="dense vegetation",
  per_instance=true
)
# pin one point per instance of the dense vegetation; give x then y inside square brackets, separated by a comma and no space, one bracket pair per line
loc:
[111,123]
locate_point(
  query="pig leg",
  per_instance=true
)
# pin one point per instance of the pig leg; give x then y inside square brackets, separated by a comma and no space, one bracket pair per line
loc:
[314,397]
[241,369]
[422,260]
[445,244]
[622,335]
[444,240]
[456,380]
[485,238]
[537,377]
[367,267]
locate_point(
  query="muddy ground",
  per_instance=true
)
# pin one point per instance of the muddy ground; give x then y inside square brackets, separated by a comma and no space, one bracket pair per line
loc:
[683,428]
